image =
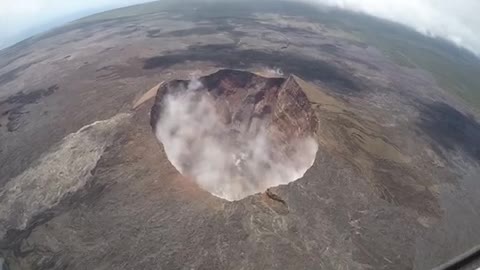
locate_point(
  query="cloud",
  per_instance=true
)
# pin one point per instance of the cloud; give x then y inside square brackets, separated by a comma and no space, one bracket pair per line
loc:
[457,21]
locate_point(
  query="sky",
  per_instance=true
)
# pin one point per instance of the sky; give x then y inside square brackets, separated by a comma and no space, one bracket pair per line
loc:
[19,19]
[457,21]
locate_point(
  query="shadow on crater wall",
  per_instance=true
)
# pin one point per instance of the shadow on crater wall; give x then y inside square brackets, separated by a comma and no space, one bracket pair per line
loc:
[450,128]
[229,56]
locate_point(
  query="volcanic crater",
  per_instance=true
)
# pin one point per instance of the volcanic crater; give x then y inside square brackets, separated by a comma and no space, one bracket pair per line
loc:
[236,133]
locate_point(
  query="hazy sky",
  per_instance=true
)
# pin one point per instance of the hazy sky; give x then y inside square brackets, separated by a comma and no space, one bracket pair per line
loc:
[456,20]
[21,18]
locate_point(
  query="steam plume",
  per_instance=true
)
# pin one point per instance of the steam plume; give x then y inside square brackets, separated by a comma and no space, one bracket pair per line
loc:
[227,162]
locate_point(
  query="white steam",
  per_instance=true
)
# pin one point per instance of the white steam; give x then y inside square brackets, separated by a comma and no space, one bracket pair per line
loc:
[271,72]
[228,163]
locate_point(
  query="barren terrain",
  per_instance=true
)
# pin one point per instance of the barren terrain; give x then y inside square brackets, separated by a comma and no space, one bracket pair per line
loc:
[85,184]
